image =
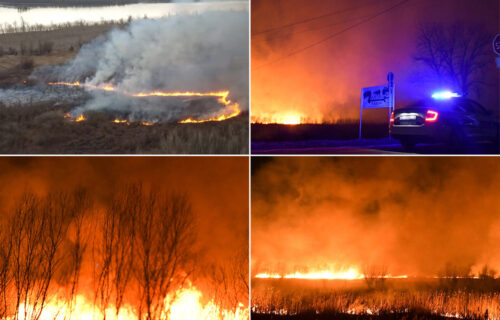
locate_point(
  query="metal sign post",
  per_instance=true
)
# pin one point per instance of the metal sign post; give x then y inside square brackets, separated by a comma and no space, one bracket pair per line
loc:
[377,97]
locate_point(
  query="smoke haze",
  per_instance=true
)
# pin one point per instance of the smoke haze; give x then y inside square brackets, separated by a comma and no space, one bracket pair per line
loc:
[413,216]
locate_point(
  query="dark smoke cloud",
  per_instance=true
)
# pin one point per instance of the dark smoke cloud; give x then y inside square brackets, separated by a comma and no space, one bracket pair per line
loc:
[202,52]
[414,216]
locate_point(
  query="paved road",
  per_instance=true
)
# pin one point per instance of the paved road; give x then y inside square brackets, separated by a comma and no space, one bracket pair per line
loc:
[382,146]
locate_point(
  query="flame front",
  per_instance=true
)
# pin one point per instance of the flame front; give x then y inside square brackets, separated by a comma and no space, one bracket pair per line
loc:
[185,304]
[287,118]
[232,109]
[348,274]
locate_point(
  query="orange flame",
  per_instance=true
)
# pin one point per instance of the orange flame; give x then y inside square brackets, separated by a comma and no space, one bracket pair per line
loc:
[121,121]
[349,274]
[185,304]
[80,118]
[221,95]
[288,118]
[236,111]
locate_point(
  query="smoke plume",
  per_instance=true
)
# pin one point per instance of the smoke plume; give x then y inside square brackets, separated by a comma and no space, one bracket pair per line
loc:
[203,52]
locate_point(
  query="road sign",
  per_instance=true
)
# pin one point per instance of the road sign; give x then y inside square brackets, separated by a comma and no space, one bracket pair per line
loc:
[496,44]
[376,97]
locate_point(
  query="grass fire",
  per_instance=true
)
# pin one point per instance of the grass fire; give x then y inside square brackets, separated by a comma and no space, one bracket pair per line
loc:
[171,84]
[375,238]
[81,240]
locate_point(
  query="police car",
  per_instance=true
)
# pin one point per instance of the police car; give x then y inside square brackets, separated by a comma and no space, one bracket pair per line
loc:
[447,117]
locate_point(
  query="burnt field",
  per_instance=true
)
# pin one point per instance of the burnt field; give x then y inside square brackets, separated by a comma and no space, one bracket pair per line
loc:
[41,128]
[413,298]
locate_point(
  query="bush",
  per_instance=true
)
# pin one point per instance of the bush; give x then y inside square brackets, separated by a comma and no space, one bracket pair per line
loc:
[45,47]
[27,63]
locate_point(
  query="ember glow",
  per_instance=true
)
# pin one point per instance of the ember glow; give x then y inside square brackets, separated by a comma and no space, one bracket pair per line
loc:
[231,109]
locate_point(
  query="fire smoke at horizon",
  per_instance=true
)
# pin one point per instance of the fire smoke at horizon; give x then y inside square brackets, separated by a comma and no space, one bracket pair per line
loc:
[375,218]
[231,109]
[311,59]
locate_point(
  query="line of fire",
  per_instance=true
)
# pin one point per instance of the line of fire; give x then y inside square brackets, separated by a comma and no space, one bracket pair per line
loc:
[375,238]
[365,76]
[121,238]
[162,77]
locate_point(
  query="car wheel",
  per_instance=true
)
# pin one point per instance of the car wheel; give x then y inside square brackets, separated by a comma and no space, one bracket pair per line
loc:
[408,145]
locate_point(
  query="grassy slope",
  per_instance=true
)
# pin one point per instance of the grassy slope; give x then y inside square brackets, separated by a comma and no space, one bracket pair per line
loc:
[42,129]
[66,43]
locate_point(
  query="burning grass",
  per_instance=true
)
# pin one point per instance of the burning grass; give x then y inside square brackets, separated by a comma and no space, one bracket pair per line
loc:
[41,128]
[65,256]
[392,299]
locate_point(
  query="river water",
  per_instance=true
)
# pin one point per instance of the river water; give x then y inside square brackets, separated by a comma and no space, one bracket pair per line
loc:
[59,15]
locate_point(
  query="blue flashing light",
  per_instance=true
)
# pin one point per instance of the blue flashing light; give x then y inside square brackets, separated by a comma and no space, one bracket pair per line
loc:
[443,95]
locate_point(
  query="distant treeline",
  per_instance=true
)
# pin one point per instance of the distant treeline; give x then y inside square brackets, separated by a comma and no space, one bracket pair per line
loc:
[44,3]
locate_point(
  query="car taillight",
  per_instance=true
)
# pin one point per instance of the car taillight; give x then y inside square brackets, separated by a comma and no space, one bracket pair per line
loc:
[431,116]
[392,117]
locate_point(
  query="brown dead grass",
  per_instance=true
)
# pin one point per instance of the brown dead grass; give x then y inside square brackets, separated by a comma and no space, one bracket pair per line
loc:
[65,45]
[42,129]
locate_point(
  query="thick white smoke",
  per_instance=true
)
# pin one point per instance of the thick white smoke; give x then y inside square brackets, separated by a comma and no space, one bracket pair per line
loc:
[201,52]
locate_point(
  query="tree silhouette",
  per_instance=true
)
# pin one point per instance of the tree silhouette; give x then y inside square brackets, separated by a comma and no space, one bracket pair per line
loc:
[456,55]
[164,240]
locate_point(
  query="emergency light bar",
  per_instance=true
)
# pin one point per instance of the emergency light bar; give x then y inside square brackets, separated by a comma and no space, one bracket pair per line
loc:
[445,95]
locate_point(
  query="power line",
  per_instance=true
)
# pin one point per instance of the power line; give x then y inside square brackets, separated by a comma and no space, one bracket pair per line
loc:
[333,35]
[277,36]
[311,19]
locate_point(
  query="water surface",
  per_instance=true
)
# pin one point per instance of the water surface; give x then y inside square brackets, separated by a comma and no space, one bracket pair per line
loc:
[59,15]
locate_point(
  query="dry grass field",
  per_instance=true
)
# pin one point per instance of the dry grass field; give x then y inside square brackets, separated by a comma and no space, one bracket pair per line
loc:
[21,52]
[40,127]
[394,299]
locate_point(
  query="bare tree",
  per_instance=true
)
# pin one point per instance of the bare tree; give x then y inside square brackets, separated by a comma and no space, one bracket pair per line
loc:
[456,56]
[229,280]
[27,232]
[125,209]
[375,276]
[79,207]
[5,271]
[163,248]
[103,251]
[38,227]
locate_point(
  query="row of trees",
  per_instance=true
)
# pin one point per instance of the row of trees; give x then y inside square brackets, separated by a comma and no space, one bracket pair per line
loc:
[137,250]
